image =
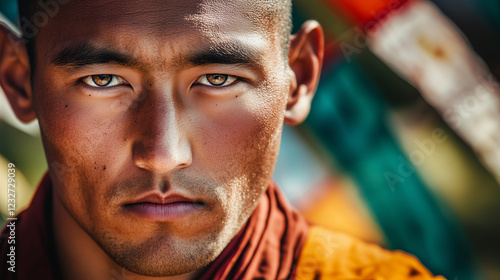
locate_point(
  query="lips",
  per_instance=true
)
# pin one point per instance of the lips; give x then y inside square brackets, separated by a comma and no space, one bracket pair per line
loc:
[159,208]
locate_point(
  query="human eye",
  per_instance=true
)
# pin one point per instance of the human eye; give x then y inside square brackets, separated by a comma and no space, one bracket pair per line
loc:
[217,80]
[103,80]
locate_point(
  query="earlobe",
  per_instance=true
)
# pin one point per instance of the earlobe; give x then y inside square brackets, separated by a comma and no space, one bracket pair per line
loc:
[305,58]
[15,75]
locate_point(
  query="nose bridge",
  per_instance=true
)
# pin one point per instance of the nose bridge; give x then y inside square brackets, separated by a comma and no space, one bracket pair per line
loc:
[165,129]
[162,144]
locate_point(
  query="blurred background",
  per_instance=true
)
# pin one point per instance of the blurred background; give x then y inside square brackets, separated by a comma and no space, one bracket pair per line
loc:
[401,147]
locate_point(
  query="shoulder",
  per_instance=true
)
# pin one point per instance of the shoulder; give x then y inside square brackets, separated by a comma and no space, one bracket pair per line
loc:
[329,255]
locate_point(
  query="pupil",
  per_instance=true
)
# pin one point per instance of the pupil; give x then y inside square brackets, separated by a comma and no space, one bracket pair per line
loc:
[102,80]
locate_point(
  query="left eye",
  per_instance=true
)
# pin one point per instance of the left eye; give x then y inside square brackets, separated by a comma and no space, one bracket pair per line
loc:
[217,80]
[103,80]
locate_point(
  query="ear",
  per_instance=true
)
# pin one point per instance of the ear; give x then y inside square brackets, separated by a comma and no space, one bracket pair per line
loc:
[15,74]
[305,58]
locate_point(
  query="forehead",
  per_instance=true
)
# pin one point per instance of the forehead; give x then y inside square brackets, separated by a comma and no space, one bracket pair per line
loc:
[158,27]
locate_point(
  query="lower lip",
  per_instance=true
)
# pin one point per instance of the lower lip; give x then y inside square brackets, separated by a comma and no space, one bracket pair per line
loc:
[164,212]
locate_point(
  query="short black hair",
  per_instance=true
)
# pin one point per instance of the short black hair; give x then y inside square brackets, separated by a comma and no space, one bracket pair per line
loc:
[277,13]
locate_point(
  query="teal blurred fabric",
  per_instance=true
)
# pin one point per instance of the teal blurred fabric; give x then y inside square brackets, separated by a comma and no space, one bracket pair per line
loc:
[9,10]
[349,117]
[490,11]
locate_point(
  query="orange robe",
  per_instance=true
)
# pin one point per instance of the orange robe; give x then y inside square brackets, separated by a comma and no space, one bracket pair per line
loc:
[276,243]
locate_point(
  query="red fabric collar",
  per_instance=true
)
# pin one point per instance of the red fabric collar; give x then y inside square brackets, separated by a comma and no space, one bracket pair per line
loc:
[35,247]
[268,247]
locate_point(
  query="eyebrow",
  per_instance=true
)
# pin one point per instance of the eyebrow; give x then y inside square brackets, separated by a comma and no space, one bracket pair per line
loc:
[85,54]
[226,53]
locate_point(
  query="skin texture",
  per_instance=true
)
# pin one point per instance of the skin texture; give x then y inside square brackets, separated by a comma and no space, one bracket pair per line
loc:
[161,130]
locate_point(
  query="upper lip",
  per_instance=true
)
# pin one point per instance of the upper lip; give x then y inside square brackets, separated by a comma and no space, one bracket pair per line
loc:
[162,199]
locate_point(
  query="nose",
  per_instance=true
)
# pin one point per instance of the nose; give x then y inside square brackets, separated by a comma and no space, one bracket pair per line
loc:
[163,144]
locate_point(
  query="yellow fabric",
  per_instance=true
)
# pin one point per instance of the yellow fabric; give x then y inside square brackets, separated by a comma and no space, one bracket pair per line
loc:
[328,255]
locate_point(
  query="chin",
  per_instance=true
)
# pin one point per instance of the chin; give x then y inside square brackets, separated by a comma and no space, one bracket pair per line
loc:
[162,256]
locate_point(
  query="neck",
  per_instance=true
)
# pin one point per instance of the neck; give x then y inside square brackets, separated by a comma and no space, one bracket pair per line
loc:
[80,258]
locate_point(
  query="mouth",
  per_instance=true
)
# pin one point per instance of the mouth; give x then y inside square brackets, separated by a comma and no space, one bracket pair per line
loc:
[157,208]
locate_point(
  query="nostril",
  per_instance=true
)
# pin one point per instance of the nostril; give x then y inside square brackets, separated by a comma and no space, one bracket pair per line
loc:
[138,158]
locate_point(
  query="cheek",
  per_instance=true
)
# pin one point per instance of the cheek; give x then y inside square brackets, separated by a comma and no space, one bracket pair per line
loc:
[239,134]
[84,146]
[81,137]
[77,125]
[241,147]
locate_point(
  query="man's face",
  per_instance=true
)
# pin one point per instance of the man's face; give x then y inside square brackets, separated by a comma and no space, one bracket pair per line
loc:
[161,123]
